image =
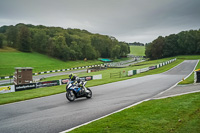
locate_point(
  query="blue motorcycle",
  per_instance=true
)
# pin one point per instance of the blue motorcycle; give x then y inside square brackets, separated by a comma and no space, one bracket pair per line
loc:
[74,91]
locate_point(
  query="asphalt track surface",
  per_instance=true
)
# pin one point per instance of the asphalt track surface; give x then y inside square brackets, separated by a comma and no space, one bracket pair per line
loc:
[54,113]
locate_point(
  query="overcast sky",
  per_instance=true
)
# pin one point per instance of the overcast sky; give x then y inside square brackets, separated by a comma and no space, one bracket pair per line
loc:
[127,20]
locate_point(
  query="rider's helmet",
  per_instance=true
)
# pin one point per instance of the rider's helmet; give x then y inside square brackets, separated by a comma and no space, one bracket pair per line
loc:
[72,77]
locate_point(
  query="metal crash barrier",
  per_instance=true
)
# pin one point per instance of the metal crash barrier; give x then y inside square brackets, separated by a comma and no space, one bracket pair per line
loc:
[197,76]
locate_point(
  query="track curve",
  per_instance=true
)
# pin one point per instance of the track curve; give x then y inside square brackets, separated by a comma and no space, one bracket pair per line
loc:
[54,113]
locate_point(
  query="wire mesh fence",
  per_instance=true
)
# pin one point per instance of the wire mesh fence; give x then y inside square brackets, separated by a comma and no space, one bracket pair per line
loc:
[118,74]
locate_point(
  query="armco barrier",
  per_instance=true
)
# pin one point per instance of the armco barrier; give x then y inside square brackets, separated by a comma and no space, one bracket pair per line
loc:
[152,67]
[130,73]
[97,77]
[133,72]
[137,71]
[144,70]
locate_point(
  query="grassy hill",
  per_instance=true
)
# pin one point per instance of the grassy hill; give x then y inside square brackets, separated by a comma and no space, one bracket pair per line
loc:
[137,50]
[10,58]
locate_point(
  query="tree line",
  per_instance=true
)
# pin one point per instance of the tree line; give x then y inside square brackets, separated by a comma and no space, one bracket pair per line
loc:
[183,43]
[64,44]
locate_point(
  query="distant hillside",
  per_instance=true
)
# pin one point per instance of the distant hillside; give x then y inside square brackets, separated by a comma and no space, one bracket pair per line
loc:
[137,50]
[64,44]
[11,59]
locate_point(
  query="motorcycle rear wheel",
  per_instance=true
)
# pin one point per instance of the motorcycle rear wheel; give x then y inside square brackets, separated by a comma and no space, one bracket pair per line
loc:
[70,96]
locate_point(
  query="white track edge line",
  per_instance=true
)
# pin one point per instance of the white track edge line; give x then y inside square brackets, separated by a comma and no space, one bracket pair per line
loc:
[192,71]
[175,95]
[126,108]
[172,67]
[178,81]
[68,130]
[104,116]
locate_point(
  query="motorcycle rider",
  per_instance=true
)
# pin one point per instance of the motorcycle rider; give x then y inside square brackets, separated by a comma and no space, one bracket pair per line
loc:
[76,81]
[72,77]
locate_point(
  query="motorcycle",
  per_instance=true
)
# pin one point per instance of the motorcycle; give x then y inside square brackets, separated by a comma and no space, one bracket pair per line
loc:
[73,91]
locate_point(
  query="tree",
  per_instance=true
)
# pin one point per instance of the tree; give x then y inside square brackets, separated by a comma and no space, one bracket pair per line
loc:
[89,52]
[148,50]
[124,49]
[24,40]
[12,36]
[50,46]
[1,40]
[75,51]
[183,43]
[155,49]
[40,41]
[64,44]
[171,46]
[116,52]
[61,50]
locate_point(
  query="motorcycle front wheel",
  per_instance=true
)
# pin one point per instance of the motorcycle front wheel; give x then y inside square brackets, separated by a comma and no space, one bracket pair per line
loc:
[70,95]
[89,94]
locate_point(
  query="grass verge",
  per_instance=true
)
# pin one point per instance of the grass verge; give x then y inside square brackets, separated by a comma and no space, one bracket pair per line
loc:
[179,114]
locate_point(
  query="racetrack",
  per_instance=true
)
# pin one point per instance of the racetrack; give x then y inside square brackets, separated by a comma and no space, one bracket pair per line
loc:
[54,113]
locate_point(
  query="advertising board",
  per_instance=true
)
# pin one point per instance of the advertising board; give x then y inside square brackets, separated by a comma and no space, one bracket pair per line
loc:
[64,81]
[47,83]
[25,86]
[152,67]
[88,78]
[7,89]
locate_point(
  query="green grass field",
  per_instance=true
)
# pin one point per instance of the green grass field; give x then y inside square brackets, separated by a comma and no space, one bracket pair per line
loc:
[137,50]
[179,114]
[10,60]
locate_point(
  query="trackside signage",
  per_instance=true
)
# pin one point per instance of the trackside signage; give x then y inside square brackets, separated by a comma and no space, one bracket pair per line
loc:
[88,78]
[152,67]
[47,83]
[25,86]
[64,81]
[7,89]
